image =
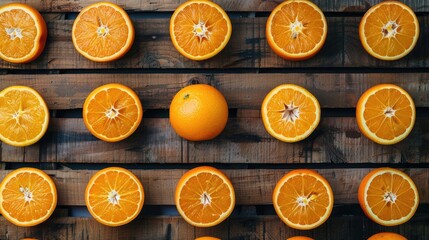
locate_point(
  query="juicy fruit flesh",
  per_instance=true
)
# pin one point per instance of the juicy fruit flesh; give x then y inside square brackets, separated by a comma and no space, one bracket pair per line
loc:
[390,196]
[101,31]
[297,31]
[27,197]
[291,113]
[200,29]
[388,113]
[390,30]
[17,33]
[303,200]
[205,198]
[114,197]
[112,113]
[21,116]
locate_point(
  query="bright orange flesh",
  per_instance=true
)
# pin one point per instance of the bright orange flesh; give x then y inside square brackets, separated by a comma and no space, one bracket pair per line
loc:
[389,30]
[112,112]
[204,197]
[290,113]
[27,197]
[296,29]
[198,112]
[114,196]
[24,116]
[23,33]
[387,236]
[388,196]
[103,32]
[385,114]
[200,29]
[303,199]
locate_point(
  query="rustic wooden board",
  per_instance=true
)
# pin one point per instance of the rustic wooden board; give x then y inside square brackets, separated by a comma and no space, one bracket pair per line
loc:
[242,91]
[252,186]
[336,140]
[237,5]
[174,227]
[247,48]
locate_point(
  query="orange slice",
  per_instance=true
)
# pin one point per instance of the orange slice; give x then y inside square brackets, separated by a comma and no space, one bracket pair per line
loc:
[27,197]
[114,196]
[200,29]
[299,238]
[290,113]
[389,30]
[23,33]
[204,196]
[385,114]
[112,112]
[388,196]
[207,238]
[303,199]
[296,29]
[387,236]
[103,32]
[24,116]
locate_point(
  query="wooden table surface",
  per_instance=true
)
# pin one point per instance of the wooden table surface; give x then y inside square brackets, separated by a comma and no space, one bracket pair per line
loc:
[244,72]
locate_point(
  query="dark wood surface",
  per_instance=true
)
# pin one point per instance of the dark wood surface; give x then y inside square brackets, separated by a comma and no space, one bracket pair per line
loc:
[244,72]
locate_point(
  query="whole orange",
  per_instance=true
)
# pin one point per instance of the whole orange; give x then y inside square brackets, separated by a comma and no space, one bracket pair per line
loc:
[198,112]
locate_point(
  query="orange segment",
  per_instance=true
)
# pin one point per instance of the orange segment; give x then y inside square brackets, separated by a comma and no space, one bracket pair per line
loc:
[27,197]
[389,30]
[200,29]
[385,114]
[103,32]
[387,236]
[296,29]
[114,196]
[204,197]
[24,116]
[290,113]
[388,196]
[23,33]
[112,112]
[303,199]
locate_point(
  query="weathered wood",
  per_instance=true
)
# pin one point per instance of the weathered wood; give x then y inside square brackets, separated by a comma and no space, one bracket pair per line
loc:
[242,91]
[237,5]
[252,186]
[336,140]
[247,48]
[174,227]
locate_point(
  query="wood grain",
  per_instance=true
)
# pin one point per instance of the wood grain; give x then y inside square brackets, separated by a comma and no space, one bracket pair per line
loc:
[247,48]
[252,186]
[242,91]
[237,5]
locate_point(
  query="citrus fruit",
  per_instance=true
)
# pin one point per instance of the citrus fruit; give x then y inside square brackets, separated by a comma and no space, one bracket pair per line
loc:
[198,112]
[200,29]
[385,114]
[114,196]
[24,116]
[103,32]
[23,33]
[27,197]
[303,199]
[112,112]
[207,238]
[299,238]
[204,196]
[387,236]
[290,113]
[389,30]
[296,29]
[388,196]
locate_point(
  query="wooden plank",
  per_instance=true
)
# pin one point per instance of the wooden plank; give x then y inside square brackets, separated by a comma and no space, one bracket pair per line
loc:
[336,140]
[237,5]
[242,91]
[252,186]
[247,48]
